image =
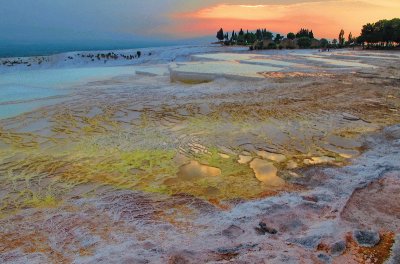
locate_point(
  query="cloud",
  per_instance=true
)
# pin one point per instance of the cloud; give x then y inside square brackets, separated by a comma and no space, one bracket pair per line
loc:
[61,20]
[326,18]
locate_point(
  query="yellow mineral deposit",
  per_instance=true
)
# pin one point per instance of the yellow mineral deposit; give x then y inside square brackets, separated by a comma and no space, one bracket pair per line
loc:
[244,159]
[271,156]
[224,156]
[291,164]
[318,160]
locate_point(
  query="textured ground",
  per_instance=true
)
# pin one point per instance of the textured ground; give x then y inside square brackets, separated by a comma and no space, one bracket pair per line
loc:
[139,169]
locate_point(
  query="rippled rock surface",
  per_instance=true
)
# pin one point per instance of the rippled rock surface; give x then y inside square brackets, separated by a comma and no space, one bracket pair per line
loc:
[135,168]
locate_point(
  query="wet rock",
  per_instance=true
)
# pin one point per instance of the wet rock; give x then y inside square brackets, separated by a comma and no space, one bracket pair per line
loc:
[310,198]
[263,229]
[324,258]
[182,257]
[148,245]
[292,225]
[177,259]
[350,117]
[129,260]
[232,232]
[307,242]
[338,248]
[366,238]
[324,197]
[317,208]
[234,250]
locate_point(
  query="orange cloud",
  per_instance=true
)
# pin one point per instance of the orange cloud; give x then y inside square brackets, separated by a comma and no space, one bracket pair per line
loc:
[325,18]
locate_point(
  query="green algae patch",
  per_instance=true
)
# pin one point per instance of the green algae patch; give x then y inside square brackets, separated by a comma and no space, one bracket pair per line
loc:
[41,201]
[138,170]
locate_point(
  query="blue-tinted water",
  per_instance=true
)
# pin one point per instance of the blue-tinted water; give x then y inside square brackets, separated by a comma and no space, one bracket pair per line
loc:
[26,91]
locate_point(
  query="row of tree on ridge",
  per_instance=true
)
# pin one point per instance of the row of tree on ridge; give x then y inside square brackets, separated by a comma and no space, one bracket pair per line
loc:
[382,34]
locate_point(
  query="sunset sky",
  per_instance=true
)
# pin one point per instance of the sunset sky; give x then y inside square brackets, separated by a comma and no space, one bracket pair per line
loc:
[170,19]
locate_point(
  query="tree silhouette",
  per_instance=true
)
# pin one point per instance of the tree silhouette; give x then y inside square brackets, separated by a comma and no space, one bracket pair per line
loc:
[220,35]
[304,42]
[324,43]
[278,38]
[381,32]
[258,34]
[341,37]
[267,35]
[350,38]
[233,36]
[291,35]
[303,33]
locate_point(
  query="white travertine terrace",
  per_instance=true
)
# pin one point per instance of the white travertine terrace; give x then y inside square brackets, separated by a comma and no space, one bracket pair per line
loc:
[197,72]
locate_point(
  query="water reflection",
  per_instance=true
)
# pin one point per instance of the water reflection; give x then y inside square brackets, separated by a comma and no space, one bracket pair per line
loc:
[194,171]
[266,172]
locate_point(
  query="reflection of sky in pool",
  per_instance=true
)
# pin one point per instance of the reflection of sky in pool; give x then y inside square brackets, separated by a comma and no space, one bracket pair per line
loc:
[15,92]
[270,62]
[220,69]
[340,62]
[207,67]
[227,56]
[244,58]
[257,59]
[39,85]
[10,110]
[332,62]
[160,70]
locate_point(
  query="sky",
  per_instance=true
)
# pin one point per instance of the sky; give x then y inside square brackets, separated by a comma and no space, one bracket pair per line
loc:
[133,20]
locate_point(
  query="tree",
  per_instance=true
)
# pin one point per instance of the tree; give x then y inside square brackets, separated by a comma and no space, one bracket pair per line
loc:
[233,36]
[278,38]
[240,38]
[324,43]
[258,34]
[303,33]
[220,35]
[304,42]
[381,32]
[311,35]
[350,38]
[267,35]
[291,36]
[250,37]
[334,42]
[341,37]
